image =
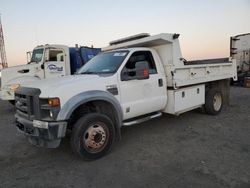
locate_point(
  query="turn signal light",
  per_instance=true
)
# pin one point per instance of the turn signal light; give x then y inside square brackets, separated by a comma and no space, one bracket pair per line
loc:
[54,102]
[145,72]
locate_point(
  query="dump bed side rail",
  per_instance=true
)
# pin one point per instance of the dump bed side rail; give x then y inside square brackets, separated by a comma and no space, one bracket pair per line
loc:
[199,73]
[207,61]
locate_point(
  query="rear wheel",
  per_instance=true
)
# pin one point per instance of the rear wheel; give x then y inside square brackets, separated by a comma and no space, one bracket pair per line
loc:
[92,136]
[213,102]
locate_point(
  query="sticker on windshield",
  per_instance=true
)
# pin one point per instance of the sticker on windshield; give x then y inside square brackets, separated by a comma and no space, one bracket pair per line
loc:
[120,54]
[105,70]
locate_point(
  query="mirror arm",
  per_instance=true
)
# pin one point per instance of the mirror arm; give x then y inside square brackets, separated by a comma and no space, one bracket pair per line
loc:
[42,66]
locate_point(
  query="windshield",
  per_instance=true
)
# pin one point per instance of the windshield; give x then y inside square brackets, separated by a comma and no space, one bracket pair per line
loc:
[37,55]
[104,63]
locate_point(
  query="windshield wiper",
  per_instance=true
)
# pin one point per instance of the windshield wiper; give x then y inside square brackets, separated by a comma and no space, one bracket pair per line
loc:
[88,72]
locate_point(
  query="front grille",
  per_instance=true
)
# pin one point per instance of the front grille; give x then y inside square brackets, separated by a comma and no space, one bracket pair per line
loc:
[26,101]
[24,104]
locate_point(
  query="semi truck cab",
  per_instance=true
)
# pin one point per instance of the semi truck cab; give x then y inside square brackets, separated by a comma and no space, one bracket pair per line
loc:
[47,61]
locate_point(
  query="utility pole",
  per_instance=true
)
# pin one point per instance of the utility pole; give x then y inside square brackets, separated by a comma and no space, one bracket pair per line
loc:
[3,60]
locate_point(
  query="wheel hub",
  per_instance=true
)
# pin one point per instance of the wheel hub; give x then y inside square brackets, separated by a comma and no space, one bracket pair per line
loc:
[98,138]
[217,101]
[95,137]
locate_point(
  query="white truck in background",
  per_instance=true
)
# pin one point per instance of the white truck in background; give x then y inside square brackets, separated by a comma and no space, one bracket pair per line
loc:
[47,61]
[240,51]
[133,80]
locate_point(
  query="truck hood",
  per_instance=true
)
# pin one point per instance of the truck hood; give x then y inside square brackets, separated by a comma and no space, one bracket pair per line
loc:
[68,86]
[13,74]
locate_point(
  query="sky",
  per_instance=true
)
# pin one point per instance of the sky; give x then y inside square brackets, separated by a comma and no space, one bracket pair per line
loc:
[205,26]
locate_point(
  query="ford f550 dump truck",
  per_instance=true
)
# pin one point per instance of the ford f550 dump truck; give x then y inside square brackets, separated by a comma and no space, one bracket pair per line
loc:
[47,61]
[133,80]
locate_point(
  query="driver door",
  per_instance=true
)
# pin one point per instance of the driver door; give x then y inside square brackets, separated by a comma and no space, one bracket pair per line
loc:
[142,96]
[54,66]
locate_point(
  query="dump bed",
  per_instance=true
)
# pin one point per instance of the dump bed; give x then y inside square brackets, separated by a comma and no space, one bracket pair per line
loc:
[200,72]
[179,72]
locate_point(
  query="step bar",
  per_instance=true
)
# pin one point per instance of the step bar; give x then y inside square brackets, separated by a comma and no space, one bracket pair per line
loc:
[140,120]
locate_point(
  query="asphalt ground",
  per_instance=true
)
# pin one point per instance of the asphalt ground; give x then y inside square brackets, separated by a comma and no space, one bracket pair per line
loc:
[191,150]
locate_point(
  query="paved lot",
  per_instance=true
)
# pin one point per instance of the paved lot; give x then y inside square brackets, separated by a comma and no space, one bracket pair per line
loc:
[192,150]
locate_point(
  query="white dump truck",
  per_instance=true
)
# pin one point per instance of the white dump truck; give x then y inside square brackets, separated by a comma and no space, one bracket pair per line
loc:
[134,79]
[47,61]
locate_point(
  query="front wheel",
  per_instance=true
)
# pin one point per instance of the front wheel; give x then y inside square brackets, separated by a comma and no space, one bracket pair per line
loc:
[213,102]
[92,136]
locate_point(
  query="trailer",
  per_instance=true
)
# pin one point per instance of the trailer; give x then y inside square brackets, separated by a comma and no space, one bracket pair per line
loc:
[240,50]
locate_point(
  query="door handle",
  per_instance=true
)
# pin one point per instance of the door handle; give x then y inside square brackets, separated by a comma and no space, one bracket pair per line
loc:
[160,82]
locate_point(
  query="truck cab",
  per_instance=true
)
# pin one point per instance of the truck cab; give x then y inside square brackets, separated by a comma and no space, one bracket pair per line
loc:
[47,61]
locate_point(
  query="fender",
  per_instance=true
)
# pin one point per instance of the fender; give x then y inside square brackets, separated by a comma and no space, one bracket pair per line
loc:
[81,98]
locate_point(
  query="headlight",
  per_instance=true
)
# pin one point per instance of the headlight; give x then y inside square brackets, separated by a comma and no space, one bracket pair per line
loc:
[51,114]
[13,87]
[50,108]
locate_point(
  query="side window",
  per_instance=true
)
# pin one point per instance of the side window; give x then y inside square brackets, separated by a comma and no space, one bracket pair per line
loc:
[56,55]
[142,56]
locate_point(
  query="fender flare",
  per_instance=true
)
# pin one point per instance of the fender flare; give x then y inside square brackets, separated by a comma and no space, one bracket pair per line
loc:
[88,96]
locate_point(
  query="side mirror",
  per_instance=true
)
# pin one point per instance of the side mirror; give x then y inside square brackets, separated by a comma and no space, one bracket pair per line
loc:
[140,72]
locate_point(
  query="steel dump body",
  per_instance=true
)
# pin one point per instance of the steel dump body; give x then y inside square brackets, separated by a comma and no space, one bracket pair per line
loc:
[179,76]
[180,73]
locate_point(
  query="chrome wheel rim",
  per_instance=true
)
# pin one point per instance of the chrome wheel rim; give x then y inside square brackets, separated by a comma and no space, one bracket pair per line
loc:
[95,137]
[217,101]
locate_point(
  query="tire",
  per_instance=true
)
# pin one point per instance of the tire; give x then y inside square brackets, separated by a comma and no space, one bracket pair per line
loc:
[12,102]
[93,136]
[213,102]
